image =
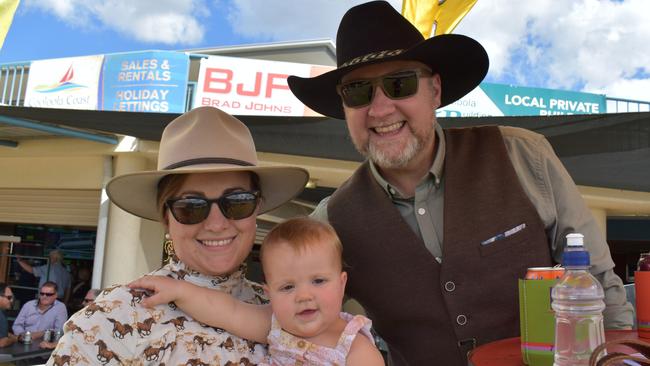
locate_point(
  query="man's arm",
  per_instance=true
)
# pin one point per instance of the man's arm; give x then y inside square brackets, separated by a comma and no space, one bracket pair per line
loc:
[19,324]
[25,266]
[61,315]
[563,210]
[8,340]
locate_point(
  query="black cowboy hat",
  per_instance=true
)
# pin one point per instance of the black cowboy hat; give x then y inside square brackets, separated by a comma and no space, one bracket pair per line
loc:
[375,32]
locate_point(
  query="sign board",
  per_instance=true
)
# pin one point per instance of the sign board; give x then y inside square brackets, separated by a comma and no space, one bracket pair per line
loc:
[505,100]
[242,86]
[66,83]
[154,81]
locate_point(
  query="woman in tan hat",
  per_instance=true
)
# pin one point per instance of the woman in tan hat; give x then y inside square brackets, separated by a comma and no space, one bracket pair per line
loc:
[207,191]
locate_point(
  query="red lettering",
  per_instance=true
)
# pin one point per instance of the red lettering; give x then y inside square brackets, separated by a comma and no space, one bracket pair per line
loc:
[255,92]
[270,83]
[211,78]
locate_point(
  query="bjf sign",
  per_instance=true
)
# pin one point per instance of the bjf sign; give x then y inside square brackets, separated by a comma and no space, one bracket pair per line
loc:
[250,87]
[219,80]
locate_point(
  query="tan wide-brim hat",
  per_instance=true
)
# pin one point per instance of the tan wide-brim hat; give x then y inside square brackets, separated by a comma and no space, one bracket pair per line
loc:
[204,140]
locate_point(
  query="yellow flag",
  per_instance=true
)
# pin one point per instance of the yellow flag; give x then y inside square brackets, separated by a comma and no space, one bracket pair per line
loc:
[441,15]
[7,11]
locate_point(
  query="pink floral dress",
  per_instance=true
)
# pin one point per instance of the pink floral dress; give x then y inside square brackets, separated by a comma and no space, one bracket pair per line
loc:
[286,349]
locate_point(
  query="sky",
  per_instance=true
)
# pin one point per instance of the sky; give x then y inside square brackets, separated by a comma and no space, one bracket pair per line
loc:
[595,46]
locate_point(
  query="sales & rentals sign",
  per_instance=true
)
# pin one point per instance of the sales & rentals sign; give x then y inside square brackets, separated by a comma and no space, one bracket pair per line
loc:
[151,81]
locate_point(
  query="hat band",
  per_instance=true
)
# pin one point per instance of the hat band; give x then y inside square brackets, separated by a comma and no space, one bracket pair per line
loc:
[372,56]
[198,161]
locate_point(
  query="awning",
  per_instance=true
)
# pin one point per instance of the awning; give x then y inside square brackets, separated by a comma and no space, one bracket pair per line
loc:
[602,150]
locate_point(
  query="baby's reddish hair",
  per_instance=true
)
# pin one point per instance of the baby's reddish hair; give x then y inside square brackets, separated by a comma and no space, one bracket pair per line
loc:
[301,233]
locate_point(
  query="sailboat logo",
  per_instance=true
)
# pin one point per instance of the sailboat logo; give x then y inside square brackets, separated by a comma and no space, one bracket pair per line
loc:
[64,84]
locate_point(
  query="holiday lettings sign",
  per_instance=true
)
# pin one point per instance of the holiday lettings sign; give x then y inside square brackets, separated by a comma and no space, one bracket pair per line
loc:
[242,86]
[152,81]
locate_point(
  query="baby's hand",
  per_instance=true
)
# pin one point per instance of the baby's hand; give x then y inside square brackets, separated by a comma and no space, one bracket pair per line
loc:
[165,289]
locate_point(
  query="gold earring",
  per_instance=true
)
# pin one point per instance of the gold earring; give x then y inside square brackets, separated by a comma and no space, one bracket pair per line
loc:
[168,247]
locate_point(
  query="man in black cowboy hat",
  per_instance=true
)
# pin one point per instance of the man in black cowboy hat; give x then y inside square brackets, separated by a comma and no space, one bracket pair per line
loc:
[438,225]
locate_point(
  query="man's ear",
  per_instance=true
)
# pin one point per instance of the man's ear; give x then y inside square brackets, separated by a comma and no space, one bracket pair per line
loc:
[436,90]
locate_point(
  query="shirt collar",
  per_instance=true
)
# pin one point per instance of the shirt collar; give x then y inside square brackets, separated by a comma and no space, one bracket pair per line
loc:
[227,283]
[436,169]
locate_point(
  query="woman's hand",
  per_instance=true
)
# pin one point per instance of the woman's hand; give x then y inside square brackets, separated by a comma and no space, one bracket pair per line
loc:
[159,289]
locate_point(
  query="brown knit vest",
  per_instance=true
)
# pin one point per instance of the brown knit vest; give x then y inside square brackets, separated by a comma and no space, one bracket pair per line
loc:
[429,313]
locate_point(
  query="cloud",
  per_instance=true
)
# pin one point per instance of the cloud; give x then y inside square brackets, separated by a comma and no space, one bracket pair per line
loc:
[170,22]
[275,20]
[586,45]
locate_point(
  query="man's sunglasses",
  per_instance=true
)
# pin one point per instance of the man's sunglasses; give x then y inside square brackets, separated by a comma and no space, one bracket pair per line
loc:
[48,294]
[398,85]
[193,210]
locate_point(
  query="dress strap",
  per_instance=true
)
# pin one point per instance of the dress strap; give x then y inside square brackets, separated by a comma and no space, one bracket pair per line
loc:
[356,324]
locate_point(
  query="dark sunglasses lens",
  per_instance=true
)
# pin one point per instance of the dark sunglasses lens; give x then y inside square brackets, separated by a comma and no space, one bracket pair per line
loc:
[238,205]
[357,93]
[401,85]
[190,211]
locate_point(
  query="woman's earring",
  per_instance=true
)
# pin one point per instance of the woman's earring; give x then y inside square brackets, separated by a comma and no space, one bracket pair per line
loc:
[168,247]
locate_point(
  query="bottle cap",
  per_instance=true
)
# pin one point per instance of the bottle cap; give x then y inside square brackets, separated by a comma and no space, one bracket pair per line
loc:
[575,254]
[575,240]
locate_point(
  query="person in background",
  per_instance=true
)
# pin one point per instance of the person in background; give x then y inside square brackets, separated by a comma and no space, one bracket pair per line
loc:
[53,271]
[438,226]
[305,282]
[39,315]
[90,296]
[6,300]
[207,192]
[79,289]
[88,299]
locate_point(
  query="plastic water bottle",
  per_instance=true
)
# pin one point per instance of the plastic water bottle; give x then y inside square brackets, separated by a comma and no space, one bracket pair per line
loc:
[578,305]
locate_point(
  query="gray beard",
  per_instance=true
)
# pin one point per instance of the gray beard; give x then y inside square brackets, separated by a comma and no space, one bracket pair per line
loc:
[385,161]
[414,146]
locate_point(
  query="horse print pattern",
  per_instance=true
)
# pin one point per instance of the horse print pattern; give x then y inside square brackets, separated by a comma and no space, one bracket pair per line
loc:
[118,330]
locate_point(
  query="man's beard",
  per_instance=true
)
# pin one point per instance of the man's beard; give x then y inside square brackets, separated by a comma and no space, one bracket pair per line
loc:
[414,145]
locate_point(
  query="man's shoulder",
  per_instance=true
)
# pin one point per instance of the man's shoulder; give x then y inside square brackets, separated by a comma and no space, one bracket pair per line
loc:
[31,304]
[518,133]
[320,212]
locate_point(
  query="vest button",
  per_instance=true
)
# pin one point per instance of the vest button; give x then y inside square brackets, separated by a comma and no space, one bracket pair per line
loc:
[461,319]
[421,211]
[450,286]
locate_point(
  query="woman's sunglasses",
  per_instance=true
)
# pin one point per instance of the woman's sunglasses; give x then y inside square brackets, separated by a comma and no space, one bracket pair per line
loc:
[399,85]
[193,210]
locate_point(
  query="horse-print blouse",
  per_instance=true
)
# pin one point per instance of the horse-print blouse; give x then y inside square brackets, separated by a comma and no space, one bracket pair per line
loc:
[117,330]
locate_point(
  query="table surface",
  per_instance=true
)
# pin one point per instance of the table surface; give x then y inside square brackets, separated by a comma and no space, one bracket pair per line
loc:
[507,352]
[19,351]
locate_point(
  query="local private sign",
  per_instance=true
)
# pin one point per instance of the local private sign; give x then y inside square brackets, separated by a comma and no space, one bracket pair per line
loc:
[506,100]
